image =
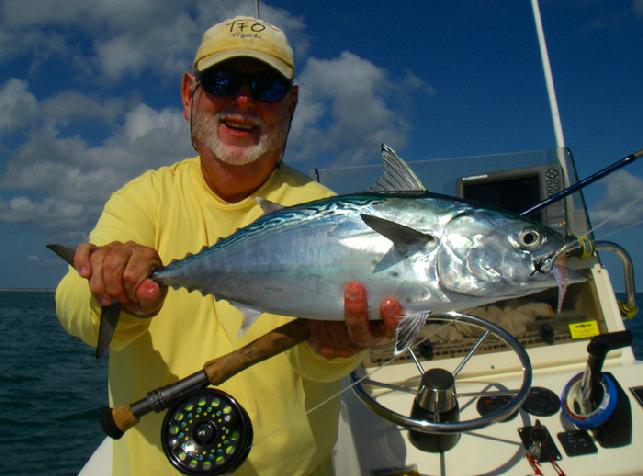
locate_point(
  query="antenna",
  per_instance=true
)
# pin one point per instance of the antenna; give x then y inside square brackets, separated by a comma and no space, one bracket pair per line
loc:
[257,3]
[549,80]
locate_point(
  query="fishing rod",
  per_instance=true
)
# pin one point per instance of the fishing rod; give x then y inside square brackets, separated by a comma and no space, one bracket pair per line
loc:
[585,182]
[117,420]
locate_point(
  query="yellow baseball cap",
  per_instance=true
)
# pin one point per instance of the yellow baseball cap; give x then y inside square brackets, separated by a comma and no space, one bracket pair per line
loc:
[245,36]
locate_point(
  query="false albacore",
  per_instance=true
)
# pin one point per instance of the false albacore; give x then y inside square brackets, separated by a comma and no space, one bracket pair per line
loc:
[433,252]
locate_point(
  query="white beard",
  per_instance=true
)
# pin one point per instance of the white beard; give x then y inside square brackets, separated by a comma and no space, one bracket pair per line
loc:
[205,129]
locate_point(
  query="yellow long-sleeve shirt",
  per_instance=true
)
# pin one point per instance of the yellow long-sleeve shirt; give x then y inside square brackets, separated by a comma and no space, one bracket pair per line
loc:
[173,211]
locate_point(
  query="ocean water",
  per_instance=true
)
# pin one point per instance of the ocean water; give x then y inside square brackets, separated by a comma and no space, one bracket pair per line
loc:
[52,388]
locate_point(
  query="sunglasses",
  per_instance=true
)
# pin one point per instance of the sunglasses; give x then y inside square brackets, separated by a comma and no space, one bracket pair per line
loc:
[268,88]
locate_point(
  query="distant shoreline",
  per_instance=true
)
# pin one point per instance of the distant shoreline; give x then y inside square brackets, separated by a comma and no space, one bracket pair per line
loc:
[26,290]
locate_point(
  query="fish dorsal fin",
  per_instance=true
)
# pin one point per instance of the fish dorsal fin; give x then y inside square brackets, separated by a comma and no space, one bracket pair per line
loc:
[397,176]
[267,206]
[404,238]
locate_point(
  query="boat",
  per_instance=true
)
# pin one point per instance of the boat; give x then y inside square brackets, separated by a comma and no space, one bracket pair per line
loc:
[383,427]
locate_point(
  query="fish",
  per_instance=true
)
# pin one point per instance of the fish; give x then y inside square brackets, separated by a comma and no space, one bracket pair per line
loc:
[434,253]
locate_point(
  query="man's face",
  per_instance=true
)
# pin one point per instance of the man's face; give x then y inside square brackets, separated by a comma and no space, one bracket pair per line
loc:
[240,129]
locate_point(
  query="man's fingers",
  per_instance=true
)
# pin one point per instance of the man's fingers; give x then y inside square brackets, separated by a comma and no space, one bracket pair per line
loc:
[82,261]
[355,304]
[356,316]
[391,314]
[97,283]
[138,269]
[117,271]
[148,291]
[149,296]
[113,265]
[330,340]
[341,339]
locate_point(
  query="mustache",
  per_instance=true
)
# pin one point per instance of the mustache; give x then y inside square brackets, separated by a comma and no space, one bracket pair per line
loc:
[243,117]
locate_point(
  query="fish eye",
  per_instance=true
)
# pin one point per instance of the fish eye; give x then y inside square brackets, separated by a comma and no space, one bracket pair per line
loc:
[530,238]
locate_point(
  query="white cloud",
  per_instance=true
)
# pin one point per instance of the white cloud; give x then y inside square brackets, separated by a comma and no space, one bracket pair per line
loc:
[18,106]
[147,139]
[23,209]
[621,203]
[75,177]
[67,106]
[117,56]
[357,119]
[128,36]
[19,13]
[126,13]
[144,120]
[637,6]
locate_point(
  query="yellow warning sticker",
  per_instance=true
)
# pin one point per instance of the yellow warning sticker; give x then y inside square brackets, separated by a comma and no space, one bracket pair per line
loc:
[583,330]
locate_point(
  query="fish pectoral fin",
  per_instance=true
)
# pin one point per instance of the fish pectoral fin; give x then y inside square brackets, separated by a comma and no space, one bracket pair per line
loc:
[406,239]
[391,258]
[248,315]
[397,176]
[267,206]
[408,329]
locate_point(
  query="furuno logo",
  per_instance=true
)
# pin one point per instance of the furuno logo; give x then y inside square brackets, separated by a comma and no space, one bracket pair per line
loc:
[475,177]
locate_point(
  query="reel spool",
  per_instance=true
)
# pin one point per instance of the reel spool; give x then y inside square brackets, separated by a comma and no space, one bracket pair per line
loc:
[206,432]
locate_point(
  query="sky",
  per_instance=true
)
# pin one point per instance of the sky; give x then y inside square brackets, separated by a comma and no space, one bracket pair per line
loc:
[89,99]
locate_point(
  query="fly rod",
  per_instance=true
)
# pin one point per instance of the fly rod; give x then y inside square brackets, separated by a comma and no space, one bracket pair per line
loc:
[585,182]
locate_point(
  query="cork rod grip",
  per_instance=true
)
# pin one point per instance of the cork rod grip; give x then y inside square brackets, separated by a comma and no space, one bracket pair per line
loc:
[270,344]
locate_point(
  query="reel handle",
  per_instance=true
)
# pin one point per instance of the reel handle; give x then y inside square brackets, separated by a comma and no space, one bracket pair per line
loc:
[116,421]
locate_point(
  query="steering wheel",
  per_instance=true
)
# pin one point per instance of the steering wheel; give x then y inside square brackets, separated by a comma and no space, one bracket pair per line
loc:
[450,427]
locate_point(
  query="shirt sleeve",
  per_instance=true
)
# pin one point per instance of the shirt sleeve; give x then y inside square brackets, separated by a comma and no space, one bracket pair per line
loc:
[128,215]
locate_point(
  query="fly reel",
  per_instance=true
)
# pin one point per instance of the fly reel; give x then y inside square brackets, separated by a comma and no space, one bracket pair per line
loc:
[206,432]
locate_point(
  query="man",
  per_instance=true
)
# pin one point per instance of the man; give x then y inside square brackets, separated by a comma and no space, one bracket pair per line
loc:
[239,102]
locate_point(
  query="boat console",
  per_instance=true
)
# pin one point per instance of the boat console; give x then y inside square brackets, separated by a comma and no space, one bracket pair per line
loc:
[458,403]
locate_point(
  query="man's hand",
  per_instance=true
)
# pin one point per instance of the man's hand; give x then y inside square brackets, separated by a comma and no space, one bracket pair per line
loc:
[120,271]
[332,339]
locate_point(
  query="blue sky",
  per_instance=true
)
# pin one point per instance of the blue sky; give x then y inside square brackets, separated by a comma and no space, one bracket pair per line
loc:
[89,98]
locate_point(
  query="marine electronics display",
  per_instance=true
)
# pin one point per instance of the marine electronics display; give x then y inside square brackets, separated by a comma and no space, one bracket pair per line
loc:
[518,189]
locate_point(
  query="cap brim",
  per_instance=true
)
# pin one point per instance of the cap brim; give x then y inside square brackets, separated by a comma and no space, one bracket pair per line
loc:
[209,61]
